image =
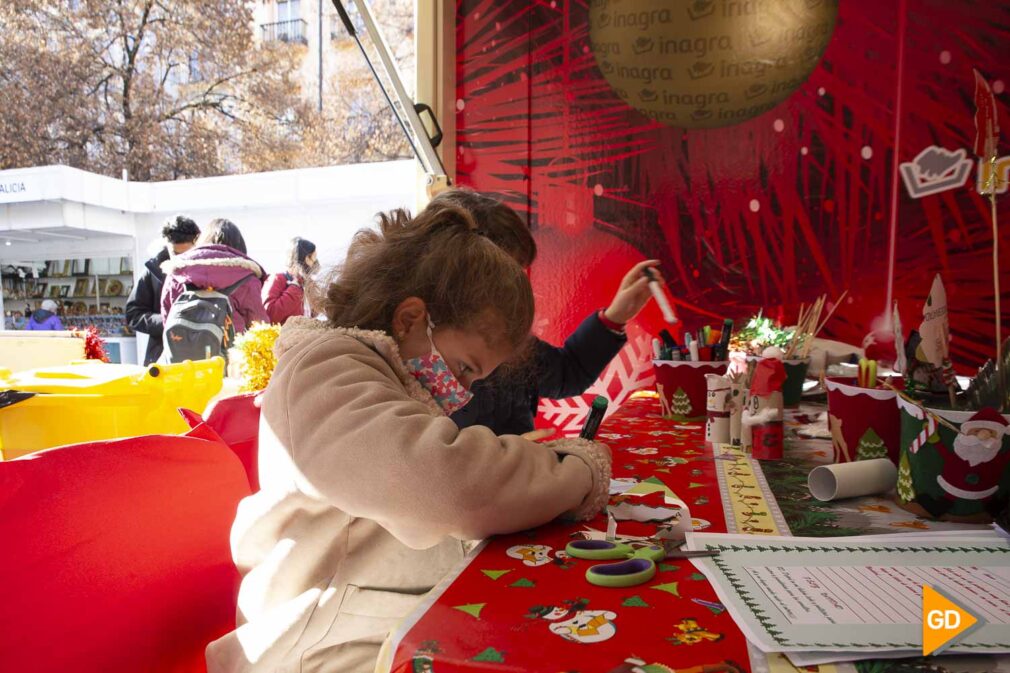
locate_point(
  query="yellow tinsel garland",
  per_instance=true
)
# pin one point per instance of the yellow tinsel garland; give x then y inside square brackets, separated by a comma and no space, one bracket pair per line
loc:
[257,359]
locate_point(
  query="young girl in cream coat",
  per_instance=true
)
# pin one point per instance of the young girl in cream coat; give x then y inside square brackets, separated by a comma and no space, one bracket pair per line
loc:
[369,490]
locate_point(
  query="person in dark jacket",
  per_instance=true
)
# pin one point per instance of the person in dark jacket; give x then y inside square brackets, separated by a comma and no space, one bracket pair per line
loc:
[284,293]
[143,308]
[507,400]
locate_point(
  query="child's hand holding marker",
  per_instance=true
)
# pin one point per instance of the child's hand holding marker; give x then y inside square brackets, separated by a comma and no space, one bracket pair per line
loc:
[640,283]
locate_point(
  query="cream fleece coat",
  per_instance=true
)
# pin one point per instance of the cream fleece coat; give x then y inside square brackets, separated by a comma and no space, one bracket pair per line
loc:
[368,491]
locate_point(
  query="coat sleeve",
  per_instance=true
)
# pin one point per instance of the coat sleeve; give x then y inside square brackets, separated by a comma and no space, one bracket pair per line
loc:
[282,299]
[143,308]
[170,291]
[571,369]
[363,444]
[249,302]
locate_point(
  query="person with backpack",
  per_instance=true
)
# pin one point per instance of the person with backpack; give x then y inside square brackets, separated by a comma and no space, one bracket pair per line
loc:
[284,293]
[211,293]
[143,308]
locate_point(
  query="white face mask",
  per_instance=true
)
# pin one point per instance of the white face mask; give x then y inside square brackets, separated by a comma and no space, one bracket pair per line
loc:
[433,373]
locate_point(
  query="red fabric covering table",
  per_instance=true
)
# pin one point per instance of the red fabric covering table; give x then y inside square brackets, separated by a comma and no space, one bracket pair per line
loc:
[506,608]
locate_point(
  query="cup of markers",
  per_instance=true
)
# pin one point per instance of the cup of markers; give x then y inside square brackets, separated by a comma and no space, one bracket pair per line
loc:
[681,370]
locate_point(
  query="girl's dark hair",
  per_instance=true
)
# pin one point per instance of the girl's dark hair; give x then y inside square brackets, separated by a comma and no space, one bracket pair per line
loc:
[495,220]
[466,281]
[223,232]
[299,250]
[180,229]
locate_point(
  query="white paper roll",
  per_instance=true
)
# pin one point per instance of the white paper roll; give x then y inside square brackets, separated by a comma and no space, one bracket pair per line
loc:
[852,480]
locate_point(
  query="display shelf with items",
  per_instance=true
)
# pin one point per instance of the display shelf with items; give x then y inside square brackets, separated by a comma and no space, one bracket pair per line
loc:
[88,291]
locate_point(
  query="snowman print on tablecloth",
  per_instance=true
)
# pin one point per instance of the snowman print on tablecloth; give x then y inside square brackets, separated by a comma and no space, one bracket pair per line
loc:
[531,554]
[535,555]
[576,624]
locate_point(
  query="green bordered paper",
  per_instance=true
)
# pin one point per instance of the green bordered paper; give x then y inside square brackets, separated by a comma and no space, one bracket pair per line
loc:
[857,595]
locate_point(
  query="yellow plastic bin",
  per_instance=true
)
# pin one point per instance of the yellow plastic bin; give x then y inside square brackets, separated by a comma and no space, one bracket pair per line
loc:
[89,400]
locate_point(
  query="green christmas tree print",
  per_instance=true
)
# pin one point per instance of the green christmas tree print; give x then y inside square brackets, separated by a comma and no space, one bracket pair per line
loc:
[492,655]
[472,609]
[870,446]
[681,404]
[634,602]
[669,587]
[906,492]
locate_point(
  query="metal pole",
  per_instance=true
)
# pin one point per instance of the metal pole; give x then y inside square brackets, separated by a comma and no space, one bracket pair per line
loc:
[406,113]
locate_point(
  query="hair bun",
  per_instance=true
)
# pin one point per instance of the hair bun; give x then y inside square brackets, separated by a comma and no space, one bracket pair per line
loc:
[450,215]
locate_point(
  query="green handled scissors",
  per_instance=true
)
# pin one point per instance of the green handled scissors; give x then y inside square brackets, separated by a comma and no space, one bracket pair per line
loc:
[639,565]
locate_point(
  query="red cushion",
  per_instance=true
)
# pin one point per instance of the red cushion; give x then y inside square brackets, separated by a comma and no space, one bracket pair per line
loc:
[237,420]
[115,555]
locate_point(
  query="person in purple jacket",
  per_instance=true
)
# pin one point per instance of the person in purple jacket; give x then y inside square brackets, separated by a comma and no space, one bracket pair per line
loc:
[45,318]
[218,260]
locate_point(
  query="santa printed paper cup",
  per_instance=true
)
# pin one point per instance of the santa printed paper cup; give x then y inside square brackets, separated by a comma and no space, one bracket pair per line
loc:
[953,475]
[864,422]
[682,387]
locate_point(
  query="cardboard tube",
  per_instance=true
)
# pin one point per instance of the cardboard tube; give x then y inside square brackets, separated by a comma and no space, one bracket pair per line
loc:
[852,480]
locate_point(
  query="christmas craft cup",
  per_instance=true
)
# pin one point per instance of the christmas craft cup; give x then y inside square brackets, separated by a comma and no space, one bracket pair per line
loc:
[682,387]
[796,374]
[952,475]
[864,422]
[767,441]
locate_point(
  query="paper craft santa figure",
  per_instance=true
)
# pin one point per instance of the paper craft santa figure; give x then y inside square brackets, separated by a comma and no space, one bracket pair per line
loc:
[762,420]
[970,472]
[974,468]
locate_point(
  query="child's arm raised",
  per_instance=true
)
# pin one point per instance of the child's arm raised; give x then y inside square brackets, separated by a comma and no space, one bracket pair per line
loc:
[359,441]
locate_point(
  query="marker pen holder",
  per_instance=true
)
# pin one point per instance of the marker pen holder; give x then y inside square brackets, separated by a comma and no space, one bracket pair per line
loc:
[864,422]
[682,387]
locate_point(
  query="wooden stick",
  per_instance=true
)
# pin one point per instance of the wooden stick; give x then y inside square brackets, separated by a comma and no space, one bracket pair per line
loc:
[832,311]
[796,331]
[812,328]
[952,394]
[803,329]
[995,270]
[939,419]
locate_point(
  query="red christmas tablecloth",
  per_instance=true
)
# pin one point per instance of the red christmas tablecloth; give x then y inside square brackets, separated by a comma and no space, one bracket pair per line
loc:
[521,605]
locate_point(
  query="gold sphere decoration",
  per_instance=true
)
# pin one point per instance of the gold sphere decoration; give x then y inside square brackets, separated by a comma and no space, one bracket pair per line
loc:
[708,63]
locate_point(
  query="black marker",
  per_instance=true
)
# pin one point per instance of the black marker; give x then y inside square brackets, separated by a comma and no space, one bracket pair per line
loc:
[668,339]
[594,418]
[723,348]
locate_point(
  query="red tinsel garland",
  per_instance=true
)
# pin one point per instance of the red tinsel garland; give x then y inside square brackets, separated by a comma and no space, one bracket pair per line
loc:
[94,346]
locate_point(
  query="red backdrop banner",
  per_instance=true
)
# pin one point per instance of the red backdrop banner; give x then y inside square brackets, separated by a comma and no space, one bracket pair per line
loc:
[767,213]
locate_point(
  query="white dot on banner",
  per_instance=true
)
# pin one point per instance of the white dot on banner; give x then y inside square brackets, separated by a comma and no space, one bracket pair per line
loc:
[779,126]
[998,86]
[497,25]
[755,205]
[460,104]
[821,91]
[804,150]
[598,189]
[945,57]
[866,152]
